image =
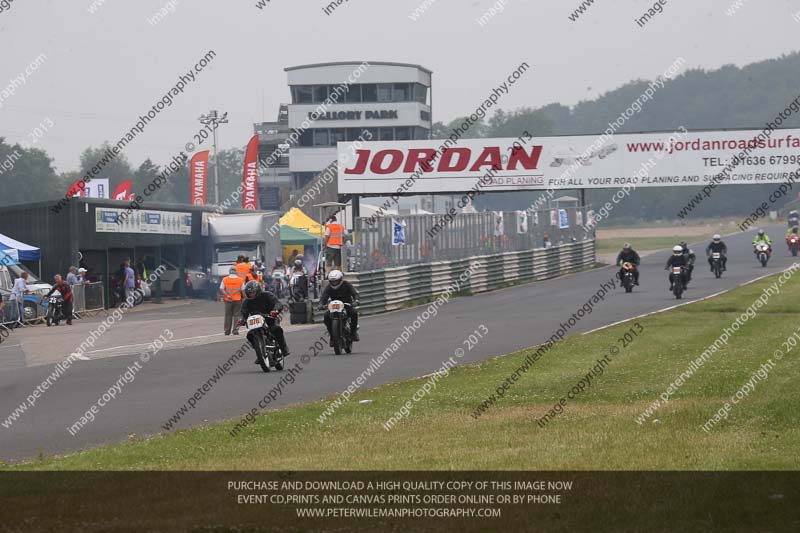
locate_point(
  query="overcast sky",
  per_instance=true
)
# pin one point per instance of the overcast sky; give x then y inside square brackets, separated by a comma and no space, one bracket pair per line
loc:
[105,69]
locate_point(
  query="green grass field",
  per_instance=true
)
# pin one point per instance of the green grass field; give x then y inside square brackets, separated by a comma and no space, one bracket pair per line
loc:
[597,430]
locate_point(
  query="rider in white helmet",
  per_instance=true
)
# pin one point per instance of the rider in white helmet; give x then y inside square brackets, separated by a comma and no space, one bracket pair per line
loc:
[717,246]
[678,258]
[339,289]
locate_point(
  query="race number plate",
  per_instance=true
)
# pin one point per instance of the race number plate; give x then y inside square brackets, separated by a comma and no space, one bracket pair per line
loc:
[255,322]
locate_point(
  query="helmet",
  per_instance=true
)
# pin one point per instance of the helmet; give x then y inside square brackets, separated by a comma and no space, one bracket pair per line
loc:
[335,277]
[761,232]
[683,244]
[252,289]
[716,238]
[626,246]
[278,260]
[677,250]
[298,262]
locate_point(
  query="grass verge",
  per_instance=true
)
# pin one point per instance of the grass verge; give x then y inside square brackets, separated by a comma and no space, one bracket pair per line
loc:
[596,431]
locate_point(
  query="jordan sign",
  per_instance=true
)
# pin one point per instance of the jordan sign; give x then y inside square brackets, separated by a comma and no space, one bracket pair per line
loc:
[680,158]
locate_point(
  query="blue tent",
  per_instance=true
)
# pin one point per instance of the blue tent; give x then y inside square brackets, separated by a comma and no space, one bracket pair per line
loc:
[25,252]
[7,260]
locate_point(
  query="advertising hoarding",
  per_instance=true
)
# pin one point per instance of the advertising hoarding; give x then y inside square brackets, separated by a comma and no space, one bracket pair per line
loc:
[570,162]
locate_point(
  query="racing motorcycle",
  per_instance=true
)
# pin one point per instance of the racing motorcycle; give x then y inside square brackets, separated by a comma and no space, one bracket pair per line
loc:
[676,277]
[716,264]
[628,276]
[793,241]
[298,285]
[762,253]
[278,283]
[341,336]
[267,349]
[55,309]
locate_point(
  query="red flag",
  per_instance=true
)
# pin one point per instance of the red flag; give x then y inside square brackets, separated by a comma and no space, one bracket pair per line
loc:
[199,175]
[250,181]
[123,191]
[77,189]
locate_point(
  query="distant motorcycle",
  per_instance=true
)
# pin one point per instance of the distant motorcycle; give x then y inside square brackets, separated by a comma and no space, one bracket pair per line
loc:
[793,241]
[676,277]
[267,349]
[716,264]
[298,287]
[341,336]
[628,278]
[55,309]
[762,253]
[278,284]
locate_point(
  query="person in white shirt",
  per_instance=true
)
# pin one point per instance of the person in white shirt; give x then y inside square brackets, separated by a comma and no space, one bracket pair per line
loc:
[17,298]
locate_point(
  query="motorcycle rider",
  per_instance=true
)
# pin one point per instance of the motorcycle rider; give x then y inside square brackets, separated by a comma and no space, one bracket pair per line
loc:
[257,300]
[790,231]
[678,258]
[717,246]
[66,295]
[690,259]
[794,218]
[299,269]
[338,289]
[629,255]
[277,267]
[762,237]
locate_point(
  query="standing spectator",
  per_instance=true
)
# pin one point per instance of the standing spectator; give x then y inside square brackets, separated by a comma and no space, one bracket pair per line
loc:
[231,291]
[72,276]
[17,298]
[66,293]
[334,239]
[130,281]
[82,275]
[243,268]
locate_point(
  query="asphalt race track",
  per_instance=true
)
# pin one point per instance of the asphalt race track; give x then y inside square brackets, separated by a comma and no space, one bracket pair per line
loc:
[517,317]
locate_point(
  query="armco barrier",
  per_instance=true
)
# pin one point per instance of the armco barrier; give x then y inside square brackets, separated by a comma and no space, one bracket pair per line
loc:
[394,288]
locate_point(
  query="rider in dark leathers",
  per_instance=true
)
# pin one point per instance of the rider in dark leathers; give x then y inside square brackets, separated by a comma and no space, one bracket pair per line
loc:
[264,302]
[629,255]
[338,289]
[690,259]
[717,246]
[678,258]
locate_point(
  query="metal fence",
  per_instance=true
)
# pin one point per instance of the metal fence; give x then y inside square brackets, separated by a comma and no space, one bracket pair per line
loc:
[431,238]
[87,298]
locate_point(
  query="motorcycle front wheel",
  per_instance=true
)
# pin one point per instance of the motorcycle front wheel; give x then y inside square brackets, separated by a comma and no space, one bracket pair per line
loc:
[260,346]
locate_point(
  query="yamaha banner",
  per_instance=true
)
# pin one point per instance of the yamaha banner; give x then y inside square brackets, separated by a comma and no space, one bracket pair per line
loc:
[199,178]
[250,180]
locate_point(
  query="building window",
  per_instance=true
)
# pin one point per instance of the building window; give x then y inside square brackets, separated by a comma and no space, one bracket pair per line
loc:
[402,92]
[337,136]
[303,94]
[420,93]
[369,92]
[321,138]
[306,138]
[353,134]
[402,133]
[370,134]
[353,95]
[425,115]
[320,93]
[386,134]
[421,133]
[384,92]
